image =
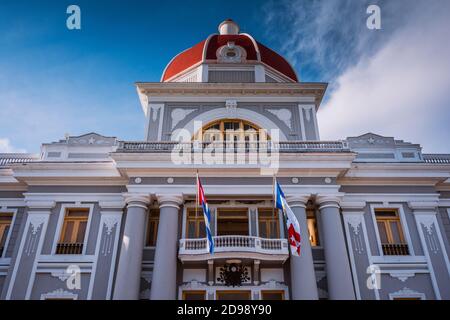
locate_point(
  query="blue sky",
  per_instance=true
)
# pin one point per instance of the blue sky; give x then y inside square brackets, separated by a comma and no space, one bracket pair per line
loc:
[55,81]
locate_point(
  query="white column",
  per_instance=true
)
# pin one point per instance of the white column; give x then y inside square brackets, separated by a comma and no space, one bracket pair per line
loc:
[339,275]
[303,277]
[164,280]
[128,277]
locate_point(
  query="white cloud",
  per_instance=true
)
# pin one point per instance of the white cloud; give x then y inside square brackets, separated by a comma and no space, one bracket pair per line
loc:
[6,147]
[393,82]
[402,90]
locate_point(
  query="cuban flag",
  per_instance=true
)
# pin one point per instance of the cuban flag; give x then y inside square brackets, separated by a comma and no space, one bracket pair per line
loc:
[292,224]
[206,215]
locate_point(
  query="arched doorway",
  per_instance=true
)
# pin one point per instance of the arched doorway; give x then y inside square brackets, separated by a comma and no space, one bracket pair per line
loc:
[231,131]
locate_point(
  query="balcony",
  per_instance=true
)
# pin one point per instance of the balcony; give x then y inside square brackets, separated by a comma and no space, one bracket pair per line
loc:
[69,248]
[195,146]
[234,247]
[395,249]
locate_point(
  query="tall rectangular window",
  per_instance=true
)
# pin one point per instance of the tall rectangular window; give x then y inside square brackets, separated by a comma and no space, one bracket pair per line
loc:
[152,228]
[391,233]
[195,224]
[312,227]
[73,232]
[5,225]
[268,223]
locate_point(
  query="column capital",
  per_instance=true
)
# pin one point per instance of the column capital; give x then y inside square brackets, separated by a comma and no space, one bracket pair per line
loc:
[137,199]
[299,200]
[423,207]
[110,205]
[353,205]
[41,205]
[170,200]
[325,201]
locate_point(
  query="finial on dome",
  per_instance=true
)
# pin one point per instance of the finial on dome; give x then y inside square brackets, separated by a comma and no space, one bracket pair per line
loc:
[228,27]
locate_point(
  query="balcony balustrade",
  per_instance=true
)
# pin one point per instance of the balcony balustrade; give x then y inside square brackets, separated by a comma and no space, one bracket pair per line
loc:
[270,146]
[398,249]
[69,248]
[224,245]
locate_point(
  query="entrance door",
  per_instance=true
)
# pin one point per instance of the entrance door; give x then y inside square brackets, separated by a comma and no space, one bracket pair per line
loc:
[233,295]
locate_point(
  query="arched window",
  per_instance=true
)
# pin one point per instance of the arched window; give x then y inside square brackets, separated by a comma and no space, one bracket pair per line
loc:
[231,130]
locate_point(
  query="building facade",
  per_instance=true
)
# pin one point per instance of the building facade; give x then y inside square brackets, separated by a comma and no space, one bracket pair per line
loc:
[94,217]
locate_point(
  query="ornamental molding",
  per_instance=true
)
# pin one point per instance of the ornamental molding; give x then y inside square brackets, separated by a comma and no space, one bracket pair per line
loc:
[179,114]
[59,293]
[231,108]
[154,108]
[355,220]
[308,111]
[298,200]
[225,89]
[110,221]
[39,204]
[168,199]
[328,201]
[36,221]
[231,53]
[284,115]
[137,197]
[401,275]
[353,205]
[117,204]
[427,222]
[406,292]
[420,206]
[61,275]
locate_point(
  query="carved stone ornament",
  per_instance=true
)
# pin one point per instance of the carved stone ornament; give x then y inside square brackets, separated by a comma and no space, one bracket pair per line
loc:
[231,53]
[233,275]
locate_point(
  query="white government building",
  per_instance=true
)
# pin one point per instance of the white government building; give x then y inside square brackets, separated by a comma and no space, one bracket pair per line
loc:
[94,217]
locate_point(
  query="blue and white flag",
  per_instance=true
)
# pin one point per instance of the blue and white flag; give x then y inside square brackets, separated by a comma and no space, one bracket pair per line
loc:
[292,224]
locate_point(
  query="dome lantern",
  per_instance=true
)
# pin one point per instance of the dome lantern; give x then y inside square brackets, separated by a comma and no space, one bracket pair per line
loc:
[228,27]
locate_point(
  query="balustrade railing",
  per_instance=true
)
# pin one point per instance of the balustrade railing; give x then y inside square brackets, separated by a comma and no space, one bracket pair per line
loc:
[69,248]
[236,146]
[398,249]
[437,158]
[234,243]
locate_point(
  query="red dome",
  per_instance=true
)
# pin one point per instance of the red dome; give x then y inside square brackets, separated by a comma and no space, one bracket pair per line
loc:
[206,50]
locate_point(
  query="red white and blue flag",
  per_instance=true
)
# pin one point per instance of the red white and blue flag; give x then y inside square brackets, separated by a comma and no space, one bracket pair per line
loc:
[206,214]
[293,227]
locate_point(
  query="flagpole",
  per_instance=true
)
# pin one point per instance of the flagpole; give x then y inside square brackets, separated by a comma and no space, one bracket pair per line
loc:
[196,194]
[273,195]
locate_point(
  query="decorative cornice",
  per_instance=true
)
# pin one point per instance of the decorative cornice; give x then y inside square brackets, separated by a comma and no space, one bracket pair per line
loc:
[234,89]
